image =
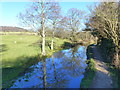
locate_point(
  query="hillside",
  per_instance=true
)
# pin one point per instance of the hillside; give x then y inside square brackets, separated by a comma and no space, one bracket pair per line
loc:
[12,29]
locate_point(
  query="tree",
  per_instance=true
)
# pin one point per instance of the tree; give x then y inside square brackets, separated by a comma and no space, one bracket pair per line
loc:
[63,28]
[36,17]
[104,20]
[75,17]
[54,16]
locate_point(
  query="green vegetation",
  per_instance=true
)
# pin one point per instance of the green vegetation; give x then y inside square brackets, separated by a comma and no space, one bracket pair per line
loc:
[21,51]
[90,70]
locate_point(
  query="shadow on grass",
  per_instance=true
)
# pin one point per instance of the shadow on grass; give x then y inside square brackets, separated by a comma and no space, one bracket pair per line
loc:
[3,47]
[12,70]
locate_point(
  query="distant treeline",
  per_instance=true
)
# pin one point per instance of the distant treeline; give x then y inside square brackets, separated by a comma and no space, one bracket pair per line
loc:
[12,29]
[9,30]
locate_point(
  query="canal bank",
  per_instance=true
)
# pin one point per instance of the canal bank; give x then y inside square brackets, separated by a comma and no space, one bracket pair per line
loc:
[90,70]
[97,73]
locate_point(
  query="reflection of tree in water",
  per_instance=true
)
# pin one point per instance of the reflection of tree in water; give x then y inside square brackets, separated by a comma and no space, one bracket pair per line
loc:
[44,74]
[72,62]
[59,54]
[59,77]
[70,66]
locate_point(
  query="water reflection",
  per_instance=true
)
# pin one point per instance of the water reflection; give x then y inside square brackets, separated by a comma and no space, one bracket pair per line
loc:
[63,70]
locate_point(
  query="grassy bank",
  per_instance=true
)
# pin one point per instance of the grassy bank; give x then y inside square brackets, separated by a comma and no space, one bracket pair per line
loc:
[21,51]
[90,70]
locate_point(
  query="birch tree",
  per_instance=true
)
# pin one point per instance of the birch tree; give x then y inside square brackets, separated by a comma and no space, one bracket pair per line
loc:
[36,17]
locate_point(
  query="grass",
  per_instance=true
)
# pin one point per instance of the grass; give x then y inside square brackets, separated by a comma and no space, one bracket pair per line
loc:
[20,52]
[90,70]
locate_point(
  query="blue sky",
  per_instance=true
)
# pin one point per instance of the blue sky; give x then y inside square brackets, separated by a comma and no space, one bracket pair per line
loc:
[10,10]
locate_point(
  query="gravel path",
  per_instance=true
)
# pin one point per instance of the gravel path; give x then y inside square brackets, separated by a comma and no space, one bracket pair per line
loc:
[102,77]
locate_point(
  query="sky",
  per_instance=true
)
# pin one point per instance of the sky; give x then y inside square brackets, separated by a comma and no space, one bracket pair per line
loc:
[10,10]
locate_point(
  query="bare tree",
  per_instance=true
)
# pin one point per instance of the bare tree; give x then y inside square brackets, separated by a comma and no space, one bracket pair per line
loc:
[62,29]
[75,17]
[54,17]
[36,17]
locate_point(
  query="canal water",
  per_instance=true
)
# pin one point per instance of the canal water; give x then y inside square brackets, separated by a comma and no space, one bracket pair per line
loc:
[64,69]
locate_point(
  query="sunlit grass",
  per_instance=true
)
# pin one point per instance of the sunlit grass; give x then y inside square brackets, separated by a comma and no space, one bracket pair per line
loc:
[17,46]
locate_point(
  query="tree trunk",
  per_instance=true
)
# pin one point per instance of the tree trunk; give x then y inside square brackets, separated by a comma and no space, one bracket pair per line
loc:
[43,43]
[116,61]
[52,42]
[43,38]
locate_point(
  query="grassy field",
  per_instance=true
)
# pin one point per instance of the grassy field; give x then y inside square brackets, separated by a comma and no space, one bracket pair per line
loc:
[19,52]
